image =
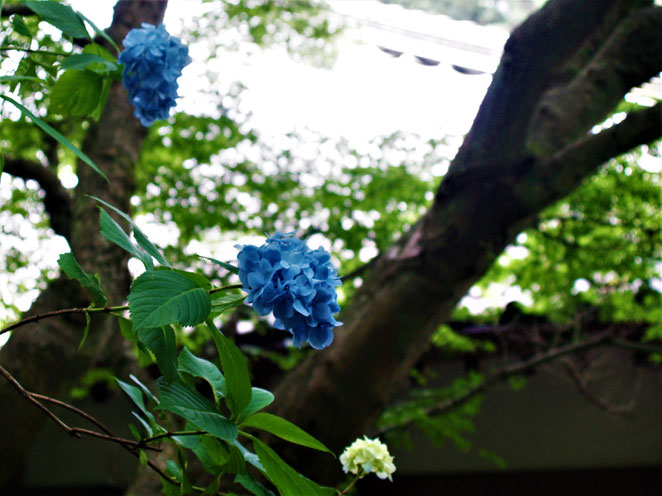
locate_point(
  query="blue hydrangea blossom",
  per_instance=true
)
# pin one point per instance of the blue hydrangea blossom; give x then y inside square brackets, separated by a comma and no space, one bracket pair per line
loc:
[296,283]
[153,60]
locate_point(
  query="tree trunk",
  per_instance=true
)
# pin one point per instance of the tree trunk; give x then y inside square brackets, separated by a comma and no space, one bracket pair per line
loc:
[562,72]
[44,356]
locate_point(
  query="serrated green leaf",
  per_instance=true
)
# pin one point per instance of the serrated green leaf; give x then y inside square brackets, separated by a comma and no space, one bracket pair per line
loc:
[56,135]
[252,485]
[288,481]
[73,270]
[160,297]
[235,369]
[85,60]
[199,367]
[185,401]
[76,93]
[19,26]
[162,342]
[222,302]
[103,99]
[260,398]
[61,16]
[141,239]
[283,429]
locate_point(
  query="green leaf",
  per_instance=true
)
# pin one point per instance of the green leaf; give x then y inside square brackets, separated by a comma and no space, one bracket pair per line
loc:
[162,342]
[227,266]
[86,330]
[85,60]
[143,459]
[222,302]
[126,328]
[99,32]
[141,239]
[252,485]
[259,399]
[76,93]
[103,98]
[249,456]
[137,397]
[112,231]
[236,464]
[145,389]
[199,367]
[12,79]
[283,429]
[160,297]
[288,481]
[73,270]
[183,400]
[56,135]
[235,369]
[19,26]
[61,16]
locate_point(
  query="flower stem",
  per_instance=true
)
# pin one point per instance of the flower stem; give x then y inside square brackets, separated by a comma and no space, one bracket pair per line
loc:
[351,485]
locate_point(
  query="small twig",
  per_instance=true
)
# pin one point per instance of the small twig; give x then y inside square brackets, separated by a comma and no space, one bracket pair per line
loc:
[72,408]
[40,52]
[57,313]
[226,288]
[504,373]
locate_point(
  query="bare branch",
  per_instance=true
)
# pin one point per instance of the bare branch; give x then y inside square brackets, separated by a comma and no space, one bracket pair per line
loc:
[568,112]
[58,313]
[57,201]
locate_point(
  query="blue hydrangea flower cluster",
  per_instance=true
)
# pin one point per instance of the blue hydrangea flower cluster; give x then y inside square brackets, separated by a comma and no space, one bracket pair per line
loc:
[296,283]
[153,60]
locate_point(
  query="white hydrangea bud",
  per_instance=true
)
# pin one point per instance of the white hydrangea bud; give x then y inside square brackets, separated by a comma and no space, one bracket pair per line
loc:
[368,455]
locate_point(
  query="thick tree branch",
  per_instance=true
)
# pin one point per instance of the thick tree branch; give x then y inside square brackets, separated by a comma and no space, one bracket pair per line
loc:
[568,167]
[534,55]
[57,201]
[570,111]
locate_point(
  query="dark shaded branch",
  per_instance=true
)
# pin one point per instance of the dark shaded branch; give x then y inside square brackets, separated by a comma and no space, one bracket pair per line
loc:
[568,112]
[533,56]
[57,201]
[572,164]
[513,369]
[19,9]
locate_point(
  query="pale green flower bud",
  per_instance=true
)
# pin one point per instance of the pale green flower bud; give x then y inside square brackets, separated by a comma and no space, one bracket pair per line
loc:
[368,455]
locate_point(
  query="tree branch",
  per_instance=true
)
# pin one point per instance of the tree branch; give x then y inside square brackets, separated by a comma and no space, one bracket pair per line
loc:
[58,313]
[57,201]
[568,112]
[19,9]
[513,369]
[564,171]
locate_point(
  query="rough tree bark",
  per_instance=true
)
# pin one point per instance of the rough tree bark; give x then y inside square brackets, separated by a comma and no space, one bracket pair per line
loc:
[44,356]
[563,70]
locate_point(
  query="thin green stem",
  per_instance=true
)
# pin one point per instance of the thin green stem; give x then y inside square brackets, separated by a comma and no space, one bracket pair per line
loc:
[57,313]
[40,52]
[158,437]
[351,485]
[226,288]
